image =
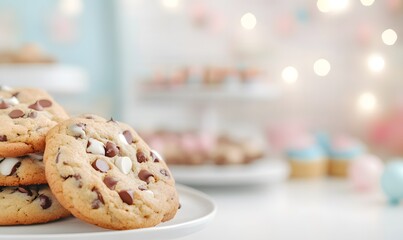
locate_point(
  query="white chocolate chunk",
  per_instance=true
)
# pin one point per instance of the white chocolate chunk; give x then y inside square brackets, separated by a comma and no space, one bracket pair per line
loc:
[6,88]
[77,131]
[36,156]
[149,192]
[12,101]
[95,147]
[7,165]
[122,138]
[124,164]
[157,154]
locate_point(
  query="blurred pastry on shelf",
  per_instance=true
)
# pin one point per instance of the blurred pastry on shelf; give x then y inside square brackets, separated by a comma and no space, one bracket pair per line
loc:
[205,77]
[27,54]
[179,77]
[6,56]
[215,75]
[228,154]
[306,158]
[342,151]
[192,148]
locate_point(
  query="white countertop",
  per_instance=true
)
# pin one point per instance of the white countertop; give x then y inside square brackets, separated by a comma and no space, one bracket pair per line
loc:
[310,209]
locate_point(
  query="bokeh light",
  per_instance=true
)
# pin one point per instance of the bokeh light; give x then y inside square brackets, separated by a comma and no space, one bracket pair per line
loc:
[323,5]
[332,5]
[389,37]
[376,63]
[71,7]
[367,2]
[289,75]
[248,21]
[321,67]
[367,102]
[170,3]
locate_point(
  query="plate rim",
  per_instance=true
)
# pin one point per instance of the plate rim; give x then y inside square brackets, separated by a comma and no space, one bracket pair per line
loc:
[282,172]
[202,221]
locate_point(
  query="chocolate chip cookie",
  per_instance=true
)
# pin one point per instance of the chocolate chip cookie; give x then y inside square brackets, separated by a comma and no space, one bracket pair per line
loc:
[105,174]
[26,115]
[26,170]
[29,205]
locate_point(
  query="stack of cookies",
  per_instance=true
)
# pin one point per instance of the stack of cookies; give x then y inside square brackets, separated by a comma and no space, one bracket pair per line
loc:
[99,170]
[105,174]
[26,116]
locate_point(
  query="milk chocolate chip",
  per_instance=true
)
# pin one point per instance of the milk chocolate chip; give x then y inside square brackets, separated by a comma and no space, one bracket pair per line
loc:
[4,105]
[45,103]
[45,201]
[100,165]
[25,190]
[77,177]
[97,202]
[36,106]
[111,120]
[141,157]
[57,157]
[111,149]
[145,175]
[164,172]
[16,114]
[126,196]
[3,138]
[16,166]
[110,182]
[128,135]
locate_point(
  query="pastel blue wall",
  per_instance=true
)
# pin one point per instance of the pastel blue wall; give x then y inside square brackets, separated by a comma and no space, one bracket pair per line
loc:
[94,49]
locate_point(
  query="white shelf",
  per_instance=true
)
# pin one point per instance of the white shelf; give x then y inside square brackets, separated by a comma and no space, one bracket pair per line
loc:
[54,78]
[191,94]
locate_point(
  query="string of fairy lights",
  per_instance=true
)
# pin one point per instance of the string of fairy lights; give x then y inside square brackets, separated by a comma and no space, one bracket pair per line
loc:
[366,101]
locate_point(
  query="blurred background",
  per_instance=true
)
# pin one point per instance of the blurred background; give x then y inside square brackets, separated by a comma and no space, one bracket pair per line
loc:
[328,66]
[230,83]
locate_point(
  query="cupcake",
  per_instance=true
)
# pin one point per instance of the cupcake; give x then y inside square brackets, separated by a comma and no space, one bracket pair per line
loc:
[342,151]
[307,159]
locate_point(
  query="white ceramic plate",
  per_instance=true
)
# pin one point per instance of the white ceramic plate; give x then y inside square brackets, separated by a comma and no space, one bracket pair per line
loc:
[259,172]
[196,212]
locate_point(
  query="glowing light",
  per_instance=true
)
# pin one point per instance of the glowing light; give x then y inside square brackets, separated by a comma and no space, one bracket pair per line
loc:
[367,2]
[289,75]
[248,21]
[321,67]
[170,3]
[376,63]
[71,7]
[367,102]
[339,5]
[323,5]
[389,37]
[332,5]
